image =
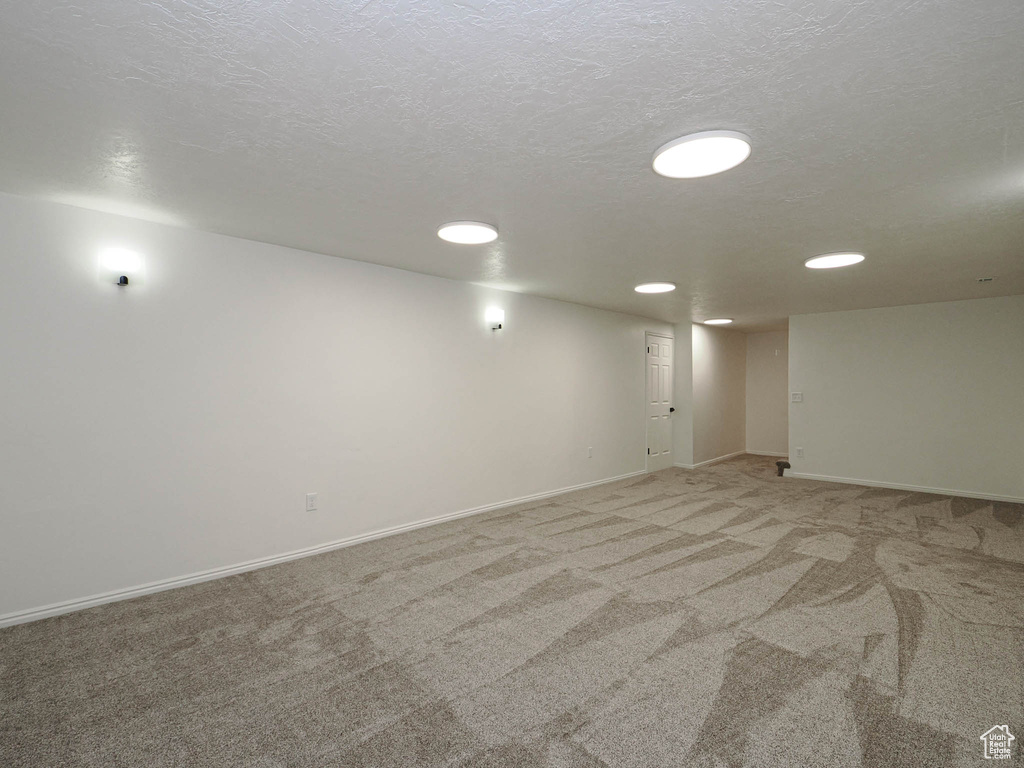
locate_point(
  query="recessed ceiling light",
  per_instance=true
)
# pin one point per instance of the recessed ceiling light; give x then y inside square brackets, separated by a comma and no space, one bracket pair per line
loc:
[467,232]
[655,287]
[833,260]
[701,154]
[718,321]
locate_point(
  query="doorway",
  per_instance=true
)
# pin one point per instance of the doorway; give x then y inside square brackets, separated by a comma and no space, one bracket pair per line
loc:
[659,401]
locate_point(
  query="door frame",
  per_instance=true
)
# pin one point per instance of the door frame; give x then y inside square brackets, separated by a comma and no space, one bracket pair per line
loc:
[647,335]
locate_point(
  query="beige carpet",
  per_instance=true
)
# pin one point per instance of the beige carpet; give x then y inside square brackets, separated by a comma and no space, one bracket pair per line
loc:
[717,617]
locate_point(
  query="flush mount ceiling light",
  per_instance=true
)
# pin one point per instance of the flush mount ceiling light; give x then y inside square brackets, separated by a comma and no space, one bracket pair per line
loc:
[718,321]
[833,260]
[655,287]
[467,232]
[701,154]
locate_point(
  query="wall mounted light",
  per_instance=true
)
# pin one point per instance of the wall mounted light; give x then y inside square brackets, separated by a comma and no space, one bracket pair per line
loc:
[495,317]
[120,264]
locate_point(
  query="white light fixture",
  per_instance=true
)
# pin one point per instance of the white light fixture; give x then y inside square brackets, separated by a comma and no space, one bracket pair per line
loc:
[120,260]
[701,154]
[833,260]
[495,317]
[655,287]
[718,321]
[118,264]
[467,232]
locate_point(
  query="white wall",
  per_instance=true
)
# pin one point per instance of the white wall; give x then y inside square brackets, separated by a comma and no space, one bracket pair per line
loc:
[682,419]
[767,392]
[719,397]
[175,426]
[930,396]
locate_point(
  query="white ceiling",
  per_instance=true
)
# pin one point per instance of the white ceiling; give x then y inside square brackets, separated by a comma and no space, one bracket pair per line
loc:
[355,129]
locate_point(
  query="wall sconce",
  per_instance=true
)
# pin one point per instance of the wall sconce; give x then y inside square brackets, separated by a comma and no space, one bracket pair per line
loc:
[495,317]
[120,264]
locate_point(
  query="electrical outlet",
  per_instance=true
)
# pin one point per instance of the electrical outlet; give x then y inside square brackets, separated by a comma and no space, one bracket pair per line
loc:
[311,502]
[798,397]
[590,453]
[799,453]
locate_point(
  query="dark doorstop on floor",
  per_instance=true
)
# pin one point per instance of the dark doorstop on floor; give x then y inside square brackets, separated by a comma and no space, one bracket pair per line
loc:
[782,465]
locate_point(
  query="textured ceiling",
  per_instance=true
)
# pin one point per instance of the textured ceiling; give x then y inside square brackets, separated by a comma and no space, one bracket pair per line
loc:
[355,129]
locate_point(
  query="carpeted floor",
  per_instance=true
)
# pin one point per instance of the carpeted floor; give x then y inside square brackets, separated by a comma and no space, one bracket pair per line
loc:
[716,617]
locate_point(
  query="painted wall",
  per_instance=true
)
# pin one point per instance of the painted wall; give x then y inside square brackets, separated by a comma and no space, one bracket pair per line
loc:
[767,392]
[930,395]
[719,392]
[176,425]
[682,419]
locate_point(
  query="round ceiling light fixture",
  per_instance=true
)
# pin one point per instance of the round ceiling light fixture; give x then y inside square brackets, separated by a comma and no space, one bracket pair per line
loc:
[655,287]
[833,260]
[718,321]
[701,154]
[467,232]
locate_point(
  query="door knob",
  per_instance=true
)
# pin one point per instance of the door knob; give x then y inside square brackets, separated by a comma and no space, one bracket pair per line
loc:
[671,410]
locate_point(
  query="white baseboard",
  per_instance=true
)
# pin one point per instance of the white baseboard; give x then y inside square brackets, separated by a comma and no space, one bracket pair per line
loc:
[769,453]
[903,487]
[56,609]
[710,461]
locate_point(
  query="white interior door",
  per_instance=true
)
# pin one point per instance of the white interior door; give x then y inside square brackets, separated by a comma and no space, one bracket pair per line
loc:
[659,401]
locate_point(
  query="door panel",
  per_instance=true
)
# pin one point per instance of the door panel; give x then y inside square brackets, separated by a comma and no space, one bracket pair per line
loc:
[659,402]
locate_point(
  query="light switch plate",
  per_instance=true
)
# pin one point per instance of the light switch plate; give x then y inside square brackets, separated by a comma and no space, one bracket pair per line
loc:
[798,397]
[311,502]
